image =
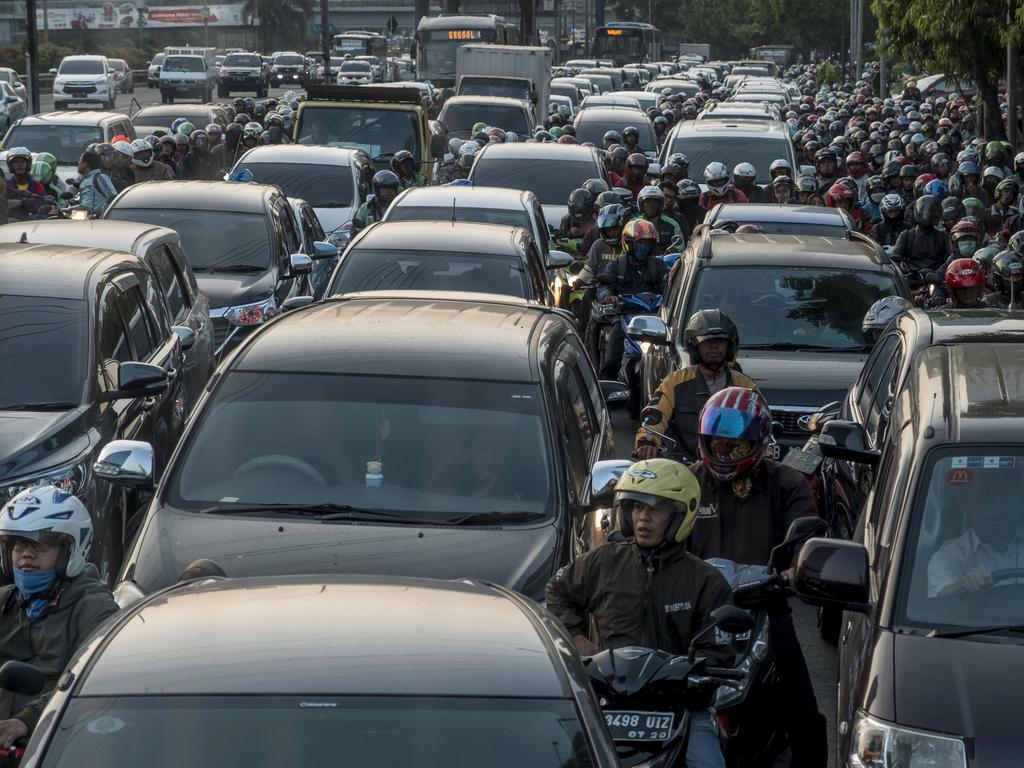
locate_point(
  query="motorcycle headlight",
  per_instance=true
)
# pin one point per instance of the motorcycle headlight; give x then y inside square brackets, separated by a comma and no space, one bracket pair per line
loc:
[251,314]
[71,477]
[877,744]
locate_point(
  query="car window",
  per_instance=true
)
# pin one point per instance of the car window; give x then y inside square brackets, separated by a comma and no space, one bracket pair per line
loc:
[585,369]
[291,237]
[576,419]
[312,222]
[881,402]
[172,284]
[874,370]
[543,231]
[181,262]
[141,333]
[112,337]
[550,181]
[760,151]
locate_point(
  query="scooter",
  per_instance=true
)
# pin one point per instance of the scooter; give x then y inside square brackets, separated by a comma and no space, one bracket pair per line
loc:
[632,356]
[646,695]
[25,679]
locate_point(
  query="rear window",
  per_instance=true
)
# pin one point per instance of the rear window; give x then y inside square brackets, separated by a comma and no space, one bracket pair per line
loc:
[759,151]
[322,186]
[505,218]
[460,118]
[289,61]
[120,66]
[551,180]
[184,64]
[378,132]
[594,130]
[81,67]
[65,142]
[241,61]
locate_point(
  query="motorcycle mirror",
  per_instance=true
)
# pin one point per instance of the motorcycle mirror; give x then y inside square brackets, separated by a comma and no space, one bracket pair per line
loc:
[733,620]
[800,530]
[19,677]
[650,416]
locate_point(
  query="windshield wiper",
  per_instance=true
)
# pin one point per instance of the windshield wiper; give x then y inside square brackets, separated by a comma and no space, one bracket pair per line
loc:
[38,407]
[325,511]
[793,345]
[962,632]
[230,268]
[495,517]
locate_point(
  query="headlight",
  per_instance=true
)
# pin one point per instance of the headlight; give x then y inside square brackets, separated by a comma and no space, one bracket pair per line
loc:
[877,744]
[251,314]
[70,477]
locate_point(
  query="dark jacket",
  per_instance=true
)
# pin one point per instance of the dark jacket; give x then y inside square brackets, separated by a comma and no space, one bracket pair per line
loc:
[622,277]
[679,398]
[745,531]
[919,248]
[887,232]
[369,213]
[656,599]
[49,642]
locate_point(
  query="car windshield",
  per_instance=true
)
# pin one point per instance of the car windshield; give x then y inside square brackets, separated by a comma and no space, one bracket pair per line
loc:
[81,67]
[270,731]
[120,66]
[967,521]
[549,179]
[65,142]
[164,116]
[241,61]
[184,64]
[483,86]
[460,118]
[158,59]
[367,269]
[322,186]
[43,346]
[759,151]
[836,229]
[792,307]
[289,61]
[378,132]
[503,216]
[213,240]
[594,130]
[355,66]
[445,447]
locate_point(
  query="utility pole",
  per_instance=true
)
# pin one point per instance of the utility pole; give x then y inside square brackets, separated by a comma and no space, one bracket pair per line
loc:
[1012,85]
[206,26]
[325,39]
[33,53]
[46,21]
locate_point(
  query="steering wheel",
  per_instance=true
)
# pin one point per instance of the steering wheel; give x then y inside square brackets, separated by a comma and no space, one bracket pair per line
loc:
[1007,574]
[280,461]
[770,300]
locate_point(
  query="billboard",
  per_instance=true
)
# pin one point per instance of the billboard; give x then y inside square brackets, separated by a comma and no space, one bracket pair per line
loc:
[130,16]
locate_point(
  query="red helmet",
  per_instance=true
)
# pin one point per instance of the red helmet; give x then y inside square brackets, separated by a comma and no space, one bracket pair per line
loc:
[566,139]
[838,191]
[856,157]
[966,227]
[945,122]
[964,273]
[735,428]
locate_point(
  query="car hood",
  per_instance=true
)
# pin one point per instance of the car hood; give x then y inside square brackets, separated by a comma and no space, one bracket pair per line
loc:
[802,378]
[33,441]
[964,686]
[231,290]
[519,557]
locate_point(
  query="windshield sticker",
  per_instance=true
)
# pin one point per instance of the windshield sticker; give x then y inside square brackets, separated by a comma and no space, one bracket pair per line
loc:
[317,704]
[983,462]
[960,476]
[104,725]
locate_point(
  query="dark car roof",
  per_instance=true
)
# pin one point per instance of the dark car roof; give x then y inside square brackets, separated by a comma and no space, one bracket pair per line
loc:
[714,128]
[792,251]
[971,392]
[72,117]
[175,110]
[113,235]
[197,195]
[444,236]
[56,271]
[305,635]
[433,334]
[544,152]
[957,326]
[623,113]
[773,212]
[445,197]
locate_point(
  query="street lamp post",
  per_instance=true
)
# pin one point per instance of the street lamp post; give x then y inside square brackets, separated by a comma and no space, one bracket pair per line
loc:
[206,26]
[33,53]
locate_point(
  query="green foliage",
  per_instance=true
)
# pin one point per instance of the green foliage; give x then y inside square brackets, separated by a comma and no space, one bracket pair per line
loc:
[828,74]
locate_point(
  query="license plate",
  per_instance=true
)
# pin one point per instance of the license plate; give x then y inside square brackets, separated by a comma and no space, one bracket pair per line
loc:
[776,452]
[640,726]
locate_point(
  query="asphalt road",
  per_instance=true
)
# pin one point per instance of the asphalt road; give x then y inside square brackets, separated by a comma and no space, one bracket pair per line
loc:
[128,103]
[821,657]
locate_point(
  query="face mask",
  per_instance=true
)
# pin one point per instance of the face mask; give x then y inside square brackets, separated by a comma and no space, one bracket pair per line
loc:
[876,197]
[611,242]
[642,249]
[966,247]
[33,582]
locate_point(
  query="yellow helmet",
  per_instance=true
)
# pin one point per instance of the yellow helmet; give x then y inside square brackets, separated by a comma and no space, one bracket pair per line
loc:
[657,483]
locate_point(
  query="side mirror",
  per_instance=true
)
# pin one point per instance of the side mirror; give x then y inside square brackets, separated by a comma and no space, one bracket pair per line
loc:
[819,418]
[559,259]
[733,620]
[126,462]
[833,572]
[322,250]
[19,677]
[616,394]
[300,264]
[438,144]
[800,530]
[185,335]
[603,477]
[53,71]
[650,328]
[138,380]
[846,441]
[296,302]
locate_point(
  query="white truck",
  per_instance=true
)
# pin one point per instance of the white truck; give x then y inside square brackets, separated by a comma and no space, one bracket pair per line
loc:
[188,72]
[516,71]
[696,49]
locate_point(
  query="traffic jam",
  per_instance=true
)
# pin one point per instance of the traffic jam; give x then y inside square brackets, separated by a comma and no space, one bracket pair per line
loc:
[466,405]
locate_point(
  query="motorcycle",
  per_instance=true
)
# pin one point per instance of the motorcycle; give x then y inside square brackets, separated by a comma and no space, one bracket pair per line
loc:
[646,695]
[25,679]
[632,355]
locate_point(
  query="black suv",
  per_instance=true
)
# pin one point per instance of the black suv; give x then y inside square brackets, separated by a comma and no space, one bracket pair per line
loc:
[241,241]
[90,357]
[289,70]
[410,434]
[243,72]
[932,652]
[798,301]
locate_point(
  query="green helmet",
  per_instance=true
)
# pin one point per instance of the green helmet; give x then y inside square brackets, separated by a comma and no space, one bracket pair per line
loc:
[42,171]
[563,110]
[659,483]
[186,128]
[557,132]
[477,127]
[974,204]
[46,157]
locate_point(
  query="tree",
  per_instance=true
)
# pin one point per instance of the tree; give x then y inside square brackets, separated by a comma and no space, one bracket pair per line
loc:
[960,38]
[284,24]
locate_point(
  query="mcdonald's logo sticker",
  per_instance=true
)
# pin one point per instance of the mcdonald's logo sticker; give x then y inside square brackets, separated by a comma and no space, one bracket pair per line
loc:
[960,477]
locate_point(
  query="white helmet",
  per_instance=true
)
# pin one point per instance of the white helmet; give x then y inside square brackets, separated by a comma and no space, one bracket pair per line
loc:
[141,145]
[780,165]
[51,516]
[124,148]
[745,171]
[716,175]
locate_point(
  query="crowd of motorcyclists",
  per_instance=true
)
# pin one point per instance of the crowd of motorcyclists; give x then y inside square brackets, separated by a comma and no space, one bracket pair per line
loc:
[910,172]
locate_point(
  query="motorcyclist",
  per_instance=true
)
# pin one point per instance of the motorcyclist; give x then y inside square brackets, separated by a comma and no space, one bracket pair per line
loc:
[385,189]
[608,247]
[635,271]
[56,600]
[876,190]
[824,169]
[744,178]
[924,247]
[1008,282]
[204,165]
[631,138]
[747,504]
[45,172]
[651,203]
[688,201]
[167,153]
[147,167]
[627,592]
[670,190]
[806,185]
[636,172]
[720,187]
[880,314]
[1004,218]
[965,284]
[404,165]
[969,177]
[24,193]
[843,196]
[712,342]
[611,139]
[95,190]
[966,237]
[581,216]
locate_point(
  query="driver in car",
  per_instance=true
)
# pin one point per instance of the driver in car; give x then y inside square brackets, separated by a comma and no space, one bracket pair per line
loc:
[991,543]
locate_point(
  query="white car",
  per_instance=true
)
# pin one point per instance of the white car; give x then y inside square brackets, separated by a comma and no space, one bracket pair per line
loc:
[83,80]
[354,72]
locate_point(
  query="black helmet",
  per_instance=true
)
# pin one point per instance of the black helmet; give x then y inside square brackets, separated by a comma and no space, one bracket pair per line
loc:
[952,210]
[908,172]
[385,179]
[928,210]
[630,130]
[403,160]
[595,186]
[881,313]
[688,189]
[1008,274]
[607,198]
[581,202]
[708,324]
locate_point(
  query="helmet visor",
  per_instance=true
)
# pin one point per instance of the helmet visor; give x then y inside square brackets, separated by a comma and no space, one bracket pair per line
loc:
[730,423]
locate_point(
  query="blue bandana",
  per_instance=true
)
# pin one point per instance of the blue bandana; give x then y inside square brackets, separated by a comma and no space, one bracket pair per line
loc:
[31,583]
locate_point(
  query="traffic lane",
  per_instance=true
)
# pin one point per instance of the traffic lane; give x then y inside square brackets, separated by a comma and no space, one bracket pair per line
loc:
[821,657]
[130,103]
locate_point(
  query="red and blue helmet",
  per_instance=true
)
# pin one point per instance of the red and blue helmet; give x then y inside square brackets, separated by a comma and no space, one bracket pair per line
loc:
[735,430]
